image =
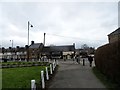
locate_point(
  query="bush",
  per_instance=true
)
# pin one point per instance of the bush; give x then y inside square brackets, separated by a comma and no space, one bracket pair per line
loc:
[107,60]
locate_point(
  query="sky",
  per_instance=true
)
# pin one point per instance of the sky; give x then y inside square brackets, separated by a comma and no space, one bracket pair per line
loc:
[64,22]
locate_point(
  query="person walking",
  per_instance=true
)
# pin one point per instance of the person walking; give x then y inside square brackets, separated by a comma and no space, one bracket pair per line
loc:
[78,59]
[90,59]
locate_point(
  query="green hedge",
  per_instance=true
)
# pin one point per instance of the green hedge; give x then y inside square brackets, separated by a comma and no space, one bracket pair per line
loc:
[107,60]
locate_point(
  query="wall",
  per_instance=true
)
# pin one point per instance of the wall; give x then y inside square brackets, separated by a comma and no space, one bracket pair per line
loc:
[114,38]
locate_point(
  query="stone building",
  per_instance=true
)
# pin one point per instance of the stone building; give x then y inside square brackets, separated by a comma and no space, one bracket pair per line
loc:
[114,36]
[61,52]
[35,50]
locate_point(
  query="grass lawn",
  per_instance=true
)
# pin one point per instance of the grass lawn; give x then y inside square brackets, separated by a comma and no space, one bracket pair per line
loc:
[0,79]
[20,77]
[107,82]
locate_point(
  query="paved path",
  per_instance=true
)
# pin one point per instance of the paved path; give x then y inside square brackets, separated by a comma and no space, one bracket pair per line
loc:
[73,75]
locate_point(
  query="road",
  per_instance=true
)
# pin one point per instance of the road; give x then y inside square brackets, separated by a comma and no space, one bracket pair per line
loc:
[73,75]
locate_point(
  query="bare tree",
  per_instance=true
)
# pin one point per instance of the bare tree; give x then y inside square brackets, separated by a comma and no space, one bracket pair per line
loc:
[84,46]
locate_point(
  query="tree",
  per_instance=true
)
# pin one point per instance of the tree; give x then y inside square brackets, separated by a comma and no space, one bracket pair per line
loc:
[87,49]
[3,50]
[84,46]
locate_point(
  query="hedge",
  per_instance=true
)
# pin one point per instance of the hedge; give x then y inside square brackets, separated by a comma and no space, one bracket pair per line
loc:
[107,60]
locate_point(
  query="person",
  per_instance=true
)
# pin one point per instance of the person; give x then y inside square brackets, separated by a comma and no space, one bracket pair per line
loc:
[90,59]
[78,59]
[73,58]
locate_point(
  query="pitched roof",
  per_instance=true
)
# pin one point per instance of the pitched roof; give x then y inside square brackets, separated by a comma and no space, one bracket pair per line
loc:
[59,48]
[117,31]
[35,45]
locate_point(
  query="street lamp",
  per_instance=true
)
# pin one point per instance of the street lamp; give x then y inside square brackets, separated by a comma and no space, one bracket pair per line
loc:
[12,42]
[29,25]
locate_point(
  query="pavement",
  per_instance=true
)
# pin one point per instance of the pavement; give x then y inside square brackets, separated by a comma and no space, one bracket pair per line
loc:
[73,75]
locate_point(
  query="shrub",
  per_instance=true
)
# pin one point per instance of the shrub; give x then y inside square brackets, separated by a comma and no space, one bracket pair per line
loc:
[107,60]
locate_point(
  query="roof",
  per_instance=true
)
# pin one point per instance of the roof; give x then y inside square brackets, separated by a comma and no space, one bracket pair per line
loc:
[35,45]
[117,31]
[59,48]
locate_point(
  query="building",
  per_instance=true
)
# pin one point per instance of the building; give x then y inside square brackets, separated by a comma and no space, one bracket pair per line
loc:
[114,36]
[15,54]
[85,52]
[61,52]
[35,50]
[20,53]
[6,53]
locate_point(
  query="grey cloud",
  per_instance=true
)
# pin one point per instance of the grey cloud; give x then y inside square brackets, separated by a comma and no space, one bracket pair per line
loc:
[65,18]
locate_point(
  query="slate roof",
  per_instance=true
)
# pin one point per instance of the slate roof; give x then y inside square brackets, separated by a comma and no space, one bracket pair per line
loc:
[35,45]
[59,48]
[117,31]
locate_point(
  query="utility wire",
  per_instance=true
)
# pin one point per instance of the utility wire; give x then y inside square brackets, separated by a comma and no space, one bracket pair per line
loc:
[72,37]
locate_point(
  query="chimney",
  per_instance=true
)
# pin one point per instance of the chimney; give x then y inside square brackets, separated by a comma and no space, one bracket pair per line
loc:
[32,42]
[26,46]
[17,47]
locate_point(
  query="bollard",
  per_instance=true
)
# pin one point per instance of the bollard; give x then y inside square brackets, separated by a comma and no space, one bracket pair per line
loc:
[53,66]
[49,60]
[57,62]
[54,60]
[33,86]
[39,59]
[83,62]
[47,76]
[42,79]
[50,68]
[25,60]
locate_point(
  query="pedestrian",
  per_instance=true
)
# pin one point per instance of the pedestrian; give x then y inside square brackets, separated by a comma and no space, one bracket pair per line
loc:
[90,59]
[73,58]
[78,59]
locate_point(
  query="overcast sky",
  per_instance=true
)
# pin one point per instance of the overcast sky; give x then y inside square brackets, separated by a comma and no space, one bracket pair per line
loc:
[63,22]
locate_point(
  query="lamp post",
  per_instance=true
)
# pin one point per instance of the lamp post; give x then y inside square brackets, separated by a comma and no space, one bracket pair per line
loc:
[29,25]
[12,42]
[11,49]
